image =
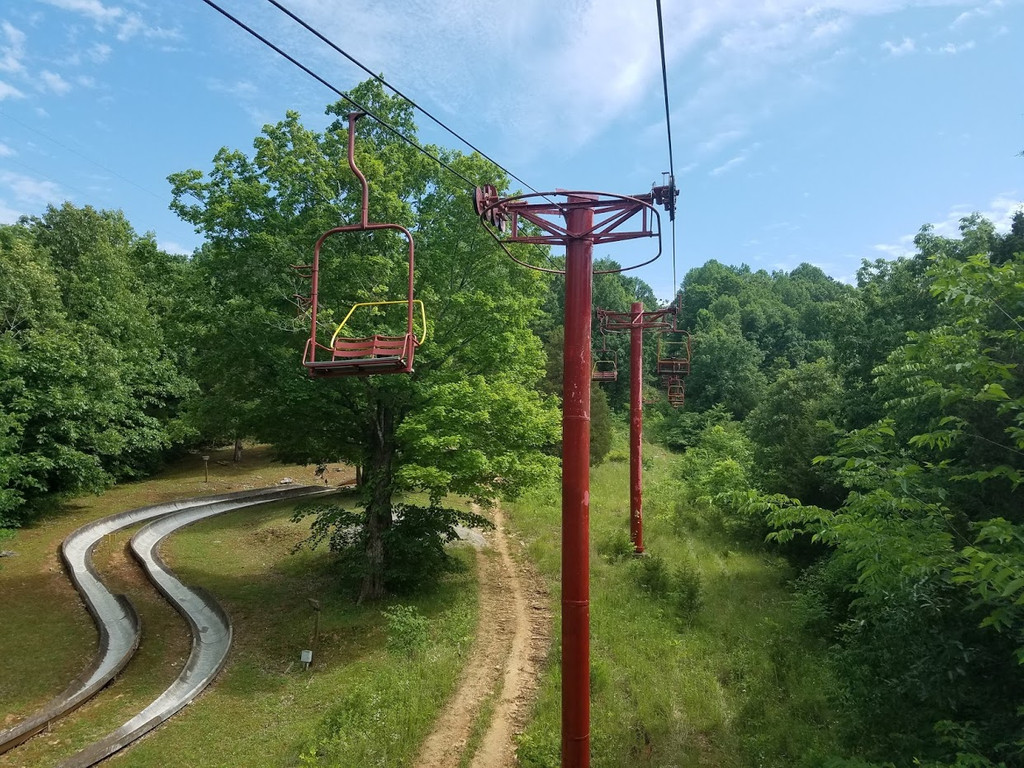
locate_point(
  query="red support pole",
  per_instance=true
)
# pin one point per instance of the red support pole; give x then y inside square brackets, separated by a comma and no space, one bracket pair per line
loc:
[579,234]
[636,428]
[576,490]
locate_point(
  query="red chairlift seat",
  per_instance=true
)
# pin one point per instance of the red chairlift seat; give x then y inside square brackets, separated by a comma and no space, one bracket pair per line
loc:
[676,392]
[604,370]
[674,355]
[606,366]
[362,357]
[368,355]
[606,362]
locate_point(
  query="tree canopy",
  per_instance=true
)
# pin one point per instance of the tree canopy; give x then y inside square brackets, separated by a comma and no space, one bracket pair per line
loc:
[469,420]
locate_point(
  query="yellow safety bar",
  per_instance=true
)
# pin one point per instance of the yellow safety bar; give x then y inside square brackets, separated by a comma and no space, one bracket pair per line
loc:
[423,316]
[672,347]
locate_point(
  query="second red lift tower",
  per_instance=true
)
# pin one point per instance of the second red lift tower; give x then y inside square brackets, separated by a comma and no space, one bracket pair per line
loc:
[636,321]
[579,221]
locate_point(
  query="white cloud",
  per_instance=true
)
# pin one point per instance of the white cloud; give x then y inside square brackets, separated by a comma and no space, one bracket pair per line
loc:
[735,161]
[999,211]
[719,140]
[29,191]
[6,151]
[831,28]
[899,49]
[8,215]
[94,9]
[99,53]
[728,165]
[130,27]
[8,91]
[241,89]
[953,49]
[12,51]
[980,12]
[904,247]
[53,82]
[169,246]
[571,71]
[128,24]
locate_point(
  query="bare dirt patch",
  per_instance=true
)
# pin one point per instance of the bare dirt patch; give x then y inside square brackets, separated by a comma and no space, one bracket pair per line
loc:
[513,632]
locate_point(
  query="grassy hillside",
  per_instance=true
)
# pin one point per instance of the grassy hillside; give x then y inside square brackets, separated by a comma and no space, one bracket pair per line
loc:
[696,657]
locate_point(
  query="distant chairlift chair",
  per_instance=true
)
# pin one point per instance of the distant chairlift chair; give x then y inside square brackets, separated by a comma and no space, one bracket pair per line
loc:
[606,362]
[676,392]
[674,354]
[375,354]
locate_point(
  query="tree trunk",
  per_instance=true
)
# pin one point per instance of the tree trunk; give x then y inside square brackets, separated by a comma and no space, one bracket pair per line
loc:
[237,457]
[359,475]
[378,486]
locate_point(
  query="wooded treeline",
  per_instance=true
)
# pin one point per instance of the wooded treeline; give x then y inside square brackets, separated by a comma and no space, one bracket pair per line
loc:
[873,433]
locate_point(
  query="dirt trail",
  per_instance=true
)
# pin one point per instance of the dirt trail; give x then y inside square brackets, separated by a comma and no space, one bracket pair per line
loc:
[512,638]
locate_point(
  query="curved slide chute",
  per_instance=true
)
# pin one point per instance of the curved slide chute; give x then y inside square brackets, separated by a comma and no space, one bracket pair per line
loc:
[210,625]
[116,619]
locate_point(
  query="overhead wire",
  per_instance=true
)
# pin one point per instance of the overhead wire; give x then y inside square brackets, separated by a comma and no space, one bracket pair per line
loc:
[74,151]
[668,128]
[312,30]
[470,184]
[384,123]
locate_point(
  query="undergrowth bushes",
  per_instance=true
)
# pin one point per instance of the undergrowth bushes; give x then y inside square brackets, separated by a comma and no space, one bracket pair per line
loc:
[678,587]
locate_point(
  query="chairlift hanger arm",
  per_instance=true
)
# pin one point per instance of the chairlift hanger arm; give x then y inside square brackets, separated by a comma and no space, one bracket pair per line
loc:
[377,353]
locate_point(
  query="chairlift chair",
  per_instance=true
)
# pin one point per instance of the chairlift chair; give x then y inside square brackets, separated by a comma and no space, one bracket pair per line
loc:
[366,355]
[676,392]
[606,362]
[674,355]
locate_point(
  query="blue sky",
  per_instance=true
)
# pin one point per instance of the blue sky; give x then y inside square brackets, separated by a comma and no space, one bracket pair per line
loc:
[824,132]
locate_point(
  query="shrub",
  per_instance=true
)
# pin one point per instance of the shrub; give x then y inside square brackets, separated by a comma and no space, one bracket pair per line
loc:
[680,587]
[408,630]
[539,749]
[687,592]
[651,575]
[615,545]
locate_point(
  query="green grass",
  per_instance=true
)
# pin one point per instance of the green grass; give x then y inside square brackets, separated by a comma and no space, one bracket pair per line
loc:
[735,685]
[481,723]
[361,703]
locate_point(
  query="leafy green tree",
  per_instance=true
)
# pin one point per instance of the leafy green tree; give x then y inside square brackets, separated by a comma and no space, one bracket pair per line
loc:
[790,317]
[470,419]
[717,474]
[928,540]
[788,431]
[90,388]
[725,367]
[600,425]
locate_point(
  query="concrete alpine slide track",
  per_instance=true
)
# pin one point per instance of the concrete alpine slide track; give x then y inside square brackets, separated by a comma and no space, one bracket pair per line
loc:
[119,625]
